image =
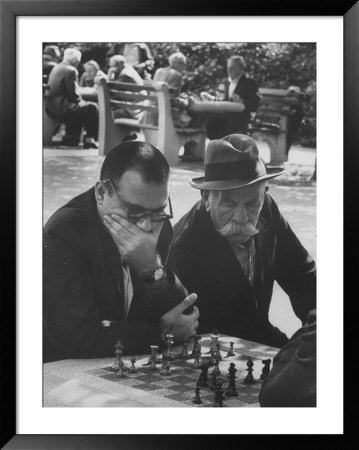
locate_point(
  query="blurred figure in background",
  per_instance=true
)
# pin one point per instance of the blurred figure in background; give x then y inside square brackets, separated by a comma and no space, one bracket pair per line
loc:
[138,55]
[66,104]
[51,56]
[123,72]
[92,72]
[172,75]
[238,88]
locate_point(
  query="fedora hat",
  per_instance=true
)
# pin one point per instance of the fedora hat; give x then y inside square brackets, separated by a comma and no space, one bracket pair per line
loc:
[233,162]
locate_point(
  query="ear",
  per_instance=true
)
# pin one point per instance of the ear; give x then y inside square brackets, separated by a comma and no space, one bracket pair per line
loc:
[205,195]
[267,188]
[99,192]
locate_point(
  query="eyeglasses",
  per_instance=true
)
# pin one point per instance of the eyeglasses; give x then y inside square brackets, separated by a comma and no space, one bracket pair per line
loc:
[136,217]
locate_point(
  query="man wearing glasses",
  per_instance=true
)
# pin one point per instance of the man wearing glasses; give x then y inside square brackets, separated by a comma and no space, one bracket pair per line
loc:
[107,263]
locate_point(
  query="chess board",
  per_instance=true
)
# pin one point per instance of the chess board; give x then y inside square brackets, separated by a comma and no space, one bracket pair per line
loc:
[180,385]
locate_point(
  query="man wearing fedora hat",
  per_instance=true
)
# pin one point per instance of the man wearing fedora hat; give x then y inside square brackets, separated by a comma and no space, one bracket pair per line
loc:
[234,243]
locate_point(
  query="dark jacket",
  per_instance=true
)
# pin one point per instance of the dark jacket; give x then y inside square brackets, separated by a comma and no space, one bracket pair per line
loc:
[83,286]
[293,378]
[247,89]
[225,124]
[64,96]
[227,302]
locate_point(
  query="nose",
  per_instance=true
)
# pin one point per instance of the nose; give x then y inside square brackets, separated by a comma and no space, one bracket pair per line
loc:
[145,224]
[240,215]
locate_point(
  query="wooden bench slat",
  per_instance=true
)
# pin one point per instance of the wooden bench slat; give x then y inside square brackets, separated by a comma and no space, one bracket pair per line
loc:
[132,95]
[128,105]
[134,123]
[119,86]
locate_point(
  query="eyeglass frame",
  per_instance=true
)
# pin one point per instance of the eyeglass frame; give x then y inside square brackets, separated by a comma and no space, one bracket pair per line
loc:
[141,216]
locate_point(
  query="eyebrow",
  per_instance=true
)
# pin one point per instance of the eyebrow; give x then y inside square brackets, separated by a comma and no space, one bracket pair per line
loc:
[141,208]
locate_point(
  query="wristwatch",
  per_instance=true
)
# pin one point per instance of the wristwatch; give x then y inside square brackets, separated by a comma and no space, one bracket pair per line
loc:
[156,276]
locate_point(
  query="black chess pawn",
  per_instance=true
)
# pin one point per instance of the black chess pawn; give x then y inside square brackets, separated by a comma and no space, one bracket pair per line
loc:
[249,378]
[197,399]
[218,395]
[266,368]
[230,351]
[231,390]
[203,377]
[250,363]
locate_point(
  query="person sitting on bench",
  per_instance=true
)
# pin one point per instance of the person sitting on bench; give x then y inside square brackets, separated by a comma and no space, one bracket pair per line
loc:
[66,104]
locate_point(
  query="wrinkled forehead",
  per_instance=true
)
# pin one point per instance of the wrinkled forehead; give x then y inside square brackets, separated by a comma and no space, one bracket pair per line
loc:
[252,192]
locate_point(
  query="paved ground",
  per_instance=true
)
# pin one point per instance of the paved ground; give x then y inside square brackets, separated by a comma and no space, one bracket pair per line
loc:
[69,172]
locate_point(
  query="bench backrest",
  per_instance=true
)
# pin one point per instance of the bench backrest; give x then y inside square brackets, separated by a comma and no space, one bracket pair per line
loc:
[274,107]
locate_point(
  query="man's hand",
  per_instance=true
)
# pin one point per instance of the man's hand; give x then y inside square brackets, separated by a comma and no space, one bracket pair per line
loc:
[137,247]
[205,96]
[179,324]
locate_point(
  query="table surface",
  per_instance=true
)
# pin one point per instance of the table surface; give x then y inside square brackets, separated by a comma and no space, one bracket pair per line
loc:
[92,382]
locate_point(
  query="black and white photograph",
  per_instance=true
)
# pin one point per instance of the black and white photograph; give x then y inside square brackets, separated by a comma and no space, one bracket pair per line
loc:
[179,224]
[179,221]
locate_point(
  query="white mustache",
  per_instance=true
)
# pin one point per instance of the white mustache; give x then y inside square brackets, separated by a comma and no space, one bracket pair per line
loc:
[232,228]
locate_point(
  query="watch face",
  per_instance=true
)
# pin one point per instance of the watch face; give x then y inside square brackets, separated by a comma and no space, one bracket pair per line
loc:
[158,274]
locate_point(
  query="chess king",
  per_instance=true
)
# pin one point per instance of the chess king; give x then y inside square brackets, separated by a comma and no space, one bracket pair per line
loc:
[107,264]
[234,243]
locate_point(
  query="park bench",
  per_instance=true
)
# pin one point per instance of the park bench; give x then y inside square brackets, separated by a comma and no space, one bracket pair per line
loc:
[154,100]
[270,123]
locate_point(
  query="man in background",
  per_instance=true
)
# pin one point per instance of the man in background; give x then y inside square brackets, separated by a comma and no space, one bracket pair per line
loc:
[64,102]
[238,88]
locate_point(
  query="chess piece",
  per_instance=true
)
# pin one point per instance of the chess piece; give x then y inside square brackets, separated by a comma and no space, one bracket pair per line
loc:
[216,366]
[121,373]
[249,378]
[231,390]
[266,368]
[214,381]
[184,352]
[132,369]
[153,360]
[213,346]
[218,352]
[218,395]
[196,346]
[197,362]
[203,377]
[230,351]
[165,369]
[169,342]
[197,399]
[118,353]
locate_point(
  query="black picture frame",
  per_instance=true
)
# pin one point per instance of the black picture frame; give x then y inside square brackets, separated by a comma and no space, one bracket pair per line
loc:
[10,10]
